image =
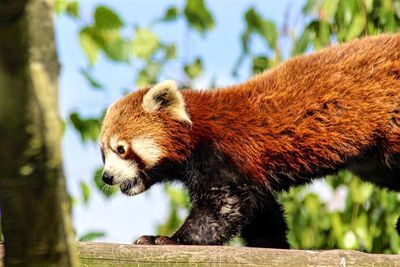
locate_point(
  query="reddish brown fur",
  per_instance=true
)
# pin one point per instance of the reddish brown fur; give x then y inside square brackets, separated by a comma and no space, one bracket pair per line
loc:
[312,112]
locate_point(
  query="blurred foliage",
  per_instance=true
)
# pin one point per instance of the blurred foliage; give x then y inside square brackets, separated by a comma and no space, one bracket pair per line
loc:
[70,7]
[367,220]
[91,236]
[198,16]
[104,35]
[358,215]
[258,27]
[85,189]
[89,129]
[343,20]
[194,69]
[92,81]
[179,206]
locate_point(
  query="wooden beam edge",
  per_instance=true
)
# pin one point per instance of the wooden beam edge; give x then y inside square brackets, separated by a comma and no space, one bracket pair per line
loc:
[110,254]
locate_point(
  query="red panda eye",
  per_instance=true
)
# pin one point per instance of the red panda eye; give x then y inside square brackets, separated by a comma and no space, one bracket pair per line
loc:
[121,150]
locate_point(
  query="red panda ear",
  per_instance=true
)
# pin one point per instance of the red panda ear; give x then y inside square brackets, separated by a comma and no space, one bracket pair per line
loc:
[166,96]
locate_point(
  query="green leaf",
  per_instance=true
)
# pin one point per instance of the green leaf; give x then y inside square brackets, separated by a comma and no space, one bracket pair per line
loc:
[350,240]
[88,44]
[194,69]
[321,32]
[302,43]
[149,73]
[145,43]
[198,16]
[324,33]
[369,4]
[265,28]
[179,201]
[60,6]
[89,129]
[356,27]
[106,19]
[170,51]
[171,14]
[73,9]
[389,19]
[244,38]
[252,18]
[364,193]
[143,78]
[85,189]
[311,7]
[91,236]
[329,7]
[93,83]
[117,49]
[260,64]
[269,32]
[73,201]
[178,196]
[106,190]
[105,36]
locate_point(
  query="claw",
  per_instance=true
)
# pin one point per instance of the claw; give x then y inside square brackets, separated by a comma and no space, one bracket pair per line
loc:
[155,240]
[146,240]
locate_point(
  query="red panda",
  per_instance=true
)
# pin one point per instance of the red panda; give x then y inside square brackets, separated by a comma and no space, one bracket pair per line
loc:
[235,147]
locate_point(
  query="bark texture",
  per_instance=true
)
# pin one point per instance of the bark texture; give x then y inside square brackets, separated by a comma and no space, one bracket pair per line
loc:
[34,205]
[103,254]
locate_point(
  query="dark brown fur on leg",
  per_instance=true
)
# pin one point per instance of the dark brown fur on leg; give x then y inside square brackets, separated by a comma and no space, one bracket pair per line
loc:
[267,228]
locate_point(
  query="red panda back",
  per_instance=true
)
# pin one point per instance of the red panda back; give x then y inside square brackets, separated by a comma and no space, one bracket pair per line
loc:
[311,112]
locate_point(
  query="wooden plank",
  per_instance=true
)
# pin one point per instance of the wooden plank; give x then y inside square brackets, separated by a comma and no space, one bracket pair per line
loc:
[108,254]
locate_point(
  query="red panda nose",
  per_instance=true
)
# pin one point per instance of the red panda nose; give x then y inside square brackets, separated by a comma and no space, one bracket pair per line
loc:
[108,179]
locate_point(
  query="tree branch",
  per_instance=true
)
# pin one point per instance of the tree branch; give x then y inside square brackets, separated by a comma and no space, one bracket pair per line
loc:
[107,254]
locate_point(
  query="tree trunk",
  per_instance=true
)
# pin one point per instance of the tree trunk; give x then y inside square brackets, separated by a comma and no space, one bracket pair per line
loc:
[34,205]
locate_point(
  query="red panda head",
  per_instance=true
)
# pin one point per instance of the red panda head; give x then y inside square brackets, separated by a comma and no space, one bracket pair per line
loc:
[140,131]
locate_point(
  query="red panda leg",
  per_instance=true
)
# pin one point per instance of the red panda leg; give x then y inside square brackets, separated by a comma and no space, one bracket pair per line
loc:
[398,226]
[267,228]
[220,214]
[217,215]
[205,228]
[381,172]
[202,227]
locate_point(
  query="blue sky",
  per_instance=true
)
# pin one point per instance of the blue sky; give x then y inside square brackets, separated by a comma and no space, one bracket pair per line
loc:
[125,218]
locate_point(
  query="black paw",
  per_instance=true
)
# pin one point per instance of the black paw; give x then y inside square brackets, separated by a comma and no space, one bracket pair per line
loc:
[155,240]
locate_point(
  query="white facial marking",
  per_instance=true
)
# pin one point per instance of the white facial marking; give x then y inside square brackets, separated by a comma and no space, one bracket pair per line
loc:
[114,143]
[121,169]
[147,149]
[138,188]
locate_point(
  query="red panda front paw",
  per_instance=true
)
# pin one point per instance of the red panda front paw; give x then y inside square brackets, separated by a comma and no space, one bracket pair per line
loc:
[155,240]
[145,240]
